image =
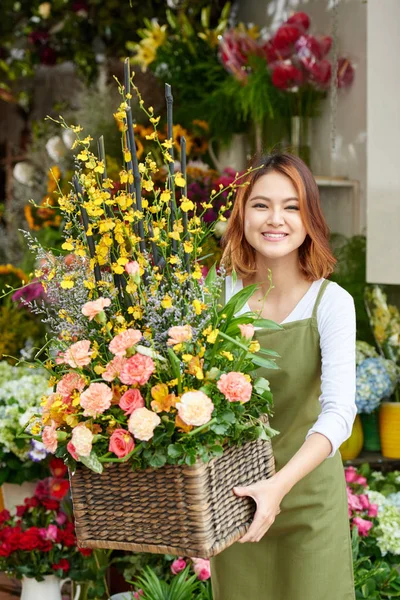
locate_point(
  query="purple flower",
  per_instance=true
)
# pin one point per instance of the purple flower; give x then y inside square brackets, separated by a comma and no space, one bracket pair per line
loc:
[38,451]
[28,293]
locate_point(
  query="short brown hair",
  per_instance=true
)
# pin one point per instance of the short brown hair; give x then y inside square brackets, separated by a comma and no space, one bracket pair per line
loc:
[315,255]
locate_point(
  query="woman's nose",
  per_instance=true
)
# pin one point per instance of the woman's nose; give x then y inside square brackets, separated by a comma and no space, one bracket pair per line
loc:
[275,218]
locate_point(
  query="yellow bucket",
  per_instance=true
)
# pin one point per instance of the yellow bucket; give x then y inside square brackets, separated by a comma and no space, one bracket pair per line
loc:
[389,426]
[352,447]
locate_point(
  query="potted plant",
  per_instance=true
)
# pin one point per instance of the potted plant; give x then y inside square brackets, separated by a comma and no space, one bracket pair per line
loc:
[385,323]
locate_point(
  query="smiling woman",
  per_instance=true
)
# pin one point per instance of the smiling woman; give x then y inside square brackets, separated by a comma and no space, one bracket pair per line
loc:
[300,535]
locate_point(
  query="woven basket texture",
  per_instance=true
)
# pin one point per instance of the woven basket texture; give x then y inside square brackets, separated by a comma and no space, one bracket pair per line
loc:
[176,509]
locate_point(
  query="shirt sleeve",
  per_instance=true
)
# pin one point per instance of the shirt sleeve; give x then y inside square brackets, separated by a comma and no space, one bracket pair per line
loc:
[337,328]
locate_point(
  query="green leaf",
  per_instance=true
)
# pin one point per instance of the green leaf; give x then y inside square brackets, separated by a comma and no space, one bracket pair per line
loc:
[92,462]
[261,362]
[157,460]
[238,300]
[219,428]
[211,276]
[228,416]
[268,352]
[267,324]
[261,385]
[175,450]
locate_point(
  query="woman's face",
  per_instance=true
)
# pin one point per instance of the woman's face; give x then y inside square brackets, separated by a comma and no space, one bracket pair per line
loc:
[272,221]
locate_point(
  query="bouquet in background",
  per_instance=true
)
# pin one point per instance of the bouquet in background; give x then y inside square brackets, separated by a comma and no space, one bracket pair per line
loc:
[146,364]
[376,378]
[21,389]
[385,324]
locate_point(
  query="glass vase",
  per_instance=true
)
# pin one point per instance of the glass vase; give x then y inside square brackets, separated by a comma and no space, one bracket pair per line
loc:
[370,423]
[300,137]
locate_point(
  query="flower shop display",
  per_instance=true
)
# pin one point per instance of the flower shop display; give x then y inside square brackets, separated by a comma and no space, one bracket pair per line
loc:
[155,396]
[385,323]
[352,447]
[21,460]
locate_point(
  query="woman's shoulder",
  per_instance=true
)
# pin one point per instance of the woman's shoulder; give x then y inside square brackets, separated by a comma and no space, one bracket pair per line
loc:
[336,303]
[336,294]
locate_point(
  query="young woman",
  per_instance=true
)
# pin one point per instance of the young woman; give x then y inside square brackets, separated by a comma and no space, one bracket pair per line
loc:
[298,546]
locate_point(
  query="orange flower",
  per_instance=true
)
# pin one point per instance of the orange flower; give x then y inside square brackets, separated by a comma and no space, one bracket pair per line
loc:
[182,425]
[163,401]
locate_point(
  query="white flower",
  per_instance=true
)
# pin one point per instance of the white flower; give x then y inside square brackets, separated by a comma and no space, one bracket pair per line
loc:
[195,408]
[142,423]
[23,172]
[56,148]
[68,137]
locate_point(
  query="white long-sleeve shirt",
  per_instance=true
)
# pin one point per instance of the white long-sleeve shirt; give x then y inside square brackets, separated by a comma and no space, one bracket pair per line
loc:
[337,329]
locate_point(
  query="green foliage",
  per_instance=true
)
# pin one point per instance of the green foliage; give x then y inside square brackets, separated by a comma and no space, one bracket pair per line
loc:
[181,587]
[374,578]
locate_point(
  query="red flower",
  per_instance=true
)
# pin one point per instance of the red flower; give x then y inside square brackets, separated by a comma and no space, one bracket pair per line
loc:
[307,46]
[300,20]
[5,549]
[272,54]
[67,536]
[85,551]
[62,564]
[286,36]
[325,44]
[286,76]
[59,488]
[30,539]
[50,504]
[42,489]
[48,56]
[321,72]
[4,516]
[345,73]
[31,502]
[21,510]
[58,468]
[38,37]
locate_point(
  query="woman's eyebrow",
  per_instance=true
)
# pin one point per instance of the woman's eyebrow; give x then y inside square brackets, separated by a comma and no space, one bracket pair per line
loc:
[258,197]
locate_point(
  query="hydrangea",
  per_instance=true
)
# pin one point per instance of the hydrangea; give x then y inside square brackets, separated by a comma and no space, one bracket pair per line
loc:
[374,382]
[21,390]
[388,539]
[363,351]
[394,499]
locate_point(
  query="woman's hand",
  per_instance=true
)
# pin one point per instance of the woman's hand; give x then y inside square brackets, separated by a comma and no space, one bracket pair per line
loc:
[268,495]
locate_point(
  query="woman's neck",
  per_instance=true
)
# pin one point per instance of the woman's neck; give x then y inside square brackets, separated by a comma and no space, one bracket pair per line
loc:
[286,276]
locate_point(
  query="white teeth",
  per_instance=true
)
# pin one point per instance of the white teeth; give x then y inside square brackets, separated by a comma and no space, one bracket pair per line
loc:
[274,235]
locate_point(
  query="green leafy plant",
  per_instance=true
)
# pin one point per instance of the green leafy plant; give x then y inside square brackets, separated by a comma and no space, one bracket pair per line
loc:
[182,587]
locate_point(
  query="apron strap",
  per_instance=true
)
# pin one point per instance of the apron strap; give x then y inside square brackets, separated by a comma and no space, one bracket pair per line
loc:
[319,297]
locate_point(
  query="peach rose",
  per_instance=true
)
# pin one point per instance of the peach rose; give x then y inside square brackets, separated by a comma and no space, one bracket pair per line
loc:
[82,439]
[142,423]
[92,309]
[195,408]
[113,368]
[70,382]
[179,334]
[121,443]
[235,387]
[137,369]
[131,400]
[132,268]
[201,566]
[78,355]
[96,399]
[49,437]
[125,340]
[247,331]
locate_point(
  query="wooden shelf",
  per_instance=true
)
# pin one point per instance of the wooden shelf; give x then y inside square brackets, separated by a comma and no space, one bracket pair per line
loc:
[376,460]
[350,187]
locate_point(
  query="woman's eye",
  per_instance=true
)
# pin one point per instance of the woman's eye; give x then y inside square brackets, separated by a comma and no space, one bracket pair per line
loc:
[293,207]
[260,206]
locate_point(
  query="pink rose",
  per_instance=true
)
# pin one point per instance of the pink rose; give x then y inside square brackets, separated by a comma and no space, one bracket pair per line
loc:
[132,268]
[72,451]
[69,383]
[350,474]
[235,387]
[179,334]
[82,439]
[96,399]
[364,500]
[353,500]
[247,331]
[92,309]
[195,408]
[113,368]
[201,567]
[137,369]
[50,533]
[373,510]
[78,355]
[121,443]
[362,525]
[61,518]
[49,437]
[142,423]
[125,340]
[178,565]
[131,400]
[137,594]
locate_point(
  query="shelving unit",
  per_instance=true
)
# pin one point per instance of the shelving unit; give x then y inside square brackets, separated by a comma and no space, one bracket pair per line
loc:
[341,218]
[376,461]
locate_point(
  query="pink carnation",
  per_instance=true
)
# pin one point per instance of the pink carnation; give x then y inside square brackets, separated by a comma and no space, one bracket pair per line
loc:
[125,340]
[113,368]
[121,443]
[92,309]
[96,399]
[179,334]
[137,369]
[70,382]
[362,525]
[195,408]
[178,565]
[235,387]
[201,567]
[82,439]
[247,331]
[49,437]
[142,424]
[78,355]
[131,400]
[373,510]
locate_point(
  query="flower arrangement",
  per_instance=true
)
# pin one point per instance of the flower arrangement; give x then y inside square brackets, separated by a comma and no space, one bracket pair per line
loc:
[20,391]
[146,365]
[40,539]
[385,322]
[376,378]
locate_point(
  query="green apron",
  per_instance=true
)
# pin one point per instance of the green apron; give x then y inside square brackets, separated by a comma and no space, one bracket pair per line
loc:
[306,554]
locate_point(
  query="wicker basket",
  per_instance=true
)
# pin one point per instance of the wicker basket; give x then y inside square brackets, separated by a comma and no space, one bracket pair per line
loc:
[182,510]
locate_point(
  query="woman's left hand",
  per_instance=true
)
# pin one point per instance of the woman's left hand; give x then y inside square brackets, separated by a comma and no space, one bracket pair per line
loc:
[268,495]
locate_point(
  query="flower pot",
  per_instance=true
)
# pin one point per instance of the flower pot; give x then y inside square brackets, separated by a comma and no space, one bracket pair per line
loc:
[389,426]
[370,425]
[48,589]
[352,447]
[14,494]
[300,137]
